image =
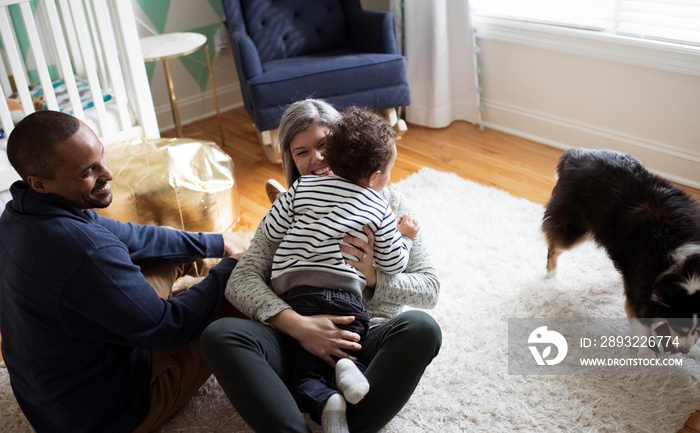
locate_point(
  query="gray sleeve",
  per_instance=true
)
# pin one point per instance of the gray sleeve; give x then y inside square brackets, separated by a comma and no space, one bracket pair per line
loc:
[247,288]
[418,285]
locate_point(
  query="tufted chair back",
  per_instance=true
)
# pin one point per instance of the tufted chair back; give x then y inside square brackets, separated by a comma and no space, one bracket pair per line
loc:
[289,29]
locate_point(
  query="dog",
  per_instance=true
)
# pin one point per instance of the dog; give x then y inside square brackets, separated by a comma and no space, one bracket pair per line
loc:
[649,229]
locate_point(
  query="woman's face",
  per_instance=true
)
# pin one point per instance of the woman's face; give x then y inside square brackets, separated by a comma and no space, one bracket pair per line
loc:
[308,149]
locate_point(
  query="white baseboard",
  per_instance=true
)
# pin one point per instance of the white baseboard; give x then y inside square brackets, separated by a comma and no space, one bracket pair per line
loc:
[676,164]
[200,106]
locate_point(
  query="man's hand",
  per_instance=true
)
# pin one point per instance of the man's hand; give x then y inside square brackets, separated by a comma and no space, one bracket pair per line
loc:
[235,244]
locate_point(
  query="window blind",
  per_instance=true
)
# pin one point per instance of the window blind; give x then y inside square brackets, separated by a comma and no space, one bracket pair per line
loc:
[669,20]
[673,20]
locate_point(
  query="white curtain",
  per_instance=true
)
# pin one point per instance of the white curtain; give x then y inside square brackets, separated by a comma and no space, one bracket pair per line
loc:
[440,53]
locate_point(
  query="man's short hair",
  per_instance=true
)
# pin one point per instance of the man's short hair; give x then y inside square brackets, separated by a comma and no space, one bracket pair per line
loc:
[359,144]
[31,147]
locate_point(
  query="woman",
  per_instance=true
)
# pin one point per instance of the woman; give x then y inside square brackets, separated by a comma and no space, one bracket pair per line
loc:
[249,358]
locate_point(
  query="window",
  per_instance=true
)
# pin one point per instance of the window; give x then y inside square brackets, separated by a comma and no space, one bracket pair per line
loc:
[675,21]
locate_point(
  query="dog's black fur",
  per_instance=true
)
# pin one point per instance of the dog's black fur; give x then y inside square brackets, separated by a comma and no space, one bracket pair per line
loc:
[649,228]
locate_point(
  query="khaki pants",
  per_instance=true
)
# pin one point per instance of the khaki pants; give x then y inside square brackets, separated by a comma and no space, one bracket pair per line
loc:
[176,374]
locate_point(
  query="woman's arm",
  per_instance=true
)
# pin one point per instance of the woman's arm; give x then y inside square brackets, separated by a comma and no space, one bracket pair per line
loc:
[417,286]
[247,288]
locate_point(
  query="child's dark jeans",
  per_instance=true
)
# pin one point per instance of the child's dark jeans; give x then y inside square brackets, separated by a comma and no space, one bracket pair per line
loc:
[313,380]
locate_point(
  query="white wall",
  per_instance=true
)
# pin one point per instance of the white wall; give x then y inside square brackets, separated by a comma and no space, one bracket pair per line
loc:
[565,91]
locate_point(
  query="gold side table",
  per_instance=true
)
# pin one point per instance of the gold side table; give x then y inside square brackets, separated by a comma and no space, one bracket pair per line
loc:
[172,45]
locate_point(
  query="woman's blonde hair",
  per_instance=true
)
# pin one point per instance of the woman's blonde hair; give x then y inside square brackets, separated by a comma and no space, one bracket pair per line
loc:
[298,117]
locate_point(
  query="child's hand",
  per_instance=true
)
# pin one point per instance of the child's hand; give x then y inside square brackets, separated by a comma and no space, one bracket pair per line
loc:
[408,226]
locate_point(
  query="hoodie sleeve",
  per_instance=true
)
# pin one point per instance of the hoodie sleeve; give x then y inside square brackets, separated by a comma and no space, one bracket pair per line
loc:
[155,244]
[109,299]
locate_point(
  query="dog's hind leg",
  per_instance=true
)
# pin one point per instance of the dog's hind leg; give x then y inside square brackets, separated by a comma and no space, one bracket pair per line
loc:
[556,245]
[553,253]
[563,227]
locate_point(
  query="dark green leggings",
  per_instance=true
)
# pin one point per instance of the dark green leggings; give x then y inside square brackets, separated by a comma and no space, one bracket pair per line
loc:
[251,362]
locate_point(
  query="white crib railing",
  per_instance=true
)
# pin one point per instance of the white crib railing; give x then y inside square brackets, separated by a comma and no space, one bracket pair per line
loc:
[95,40]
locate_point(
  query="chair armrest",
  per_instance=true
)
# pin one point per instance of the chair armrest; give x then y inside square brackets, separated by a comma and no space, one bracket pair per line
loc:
[247,57]
[373,32]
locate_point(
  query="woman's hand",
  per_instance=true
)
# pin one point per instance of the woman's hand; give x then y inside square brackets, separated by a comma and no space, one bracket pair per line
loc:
[319,335]
[364,252]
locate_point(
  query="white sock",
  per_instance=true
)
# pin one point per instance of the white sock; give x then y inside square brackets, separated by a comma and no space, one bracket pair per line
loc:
[333,417]
[350,381]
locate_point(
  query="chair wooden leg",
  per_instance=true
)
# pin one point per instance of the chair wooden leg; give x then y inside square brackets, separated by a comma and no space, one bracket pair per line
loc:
[399,125]
[270,144]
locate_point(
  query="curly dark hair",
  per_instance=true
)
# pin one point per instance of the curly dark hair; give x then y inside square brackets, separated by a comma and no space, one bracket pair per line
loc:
[359,144]
[31,147]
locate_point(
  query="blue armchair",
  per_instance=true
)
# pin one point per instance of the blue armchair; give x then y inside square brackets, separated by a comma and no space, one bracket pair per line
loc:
[287,50]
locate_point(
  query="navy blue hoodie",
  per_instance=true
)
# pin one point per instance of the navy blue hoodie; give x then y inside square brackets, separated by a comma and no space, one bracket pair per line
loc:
[77,317]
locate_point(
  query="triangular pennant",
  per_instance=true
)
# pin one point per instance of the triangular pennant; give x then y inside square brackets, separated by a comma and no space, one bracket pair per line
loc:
[218,7]
[156,11]
[196,63]
[150,70]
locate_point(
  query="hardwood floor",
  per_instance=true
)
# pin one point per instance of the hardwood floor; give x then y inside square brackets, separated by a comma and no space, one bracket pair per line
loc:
[521,167]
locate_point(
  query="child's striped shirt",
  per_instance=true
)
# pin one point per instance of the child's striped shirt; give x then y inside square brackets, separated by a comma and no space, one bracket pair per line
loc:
[310,221]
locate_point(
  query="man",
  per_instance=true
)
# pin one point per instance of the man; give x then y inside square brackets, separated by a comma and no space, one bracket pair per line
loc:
[88,343]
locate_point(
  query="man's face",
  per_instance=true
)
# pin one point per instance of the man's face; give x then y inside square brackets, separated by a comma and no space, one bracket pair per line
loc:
[83,177]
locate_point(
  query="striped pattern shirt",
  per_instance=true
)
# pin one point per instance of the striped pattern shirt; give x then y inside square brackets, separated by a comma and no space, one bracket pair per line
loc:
[310,221]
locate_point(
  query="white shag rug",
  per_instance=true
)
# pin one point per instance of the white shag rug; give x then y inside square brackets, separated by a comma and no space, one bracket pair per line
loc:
[490,255]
